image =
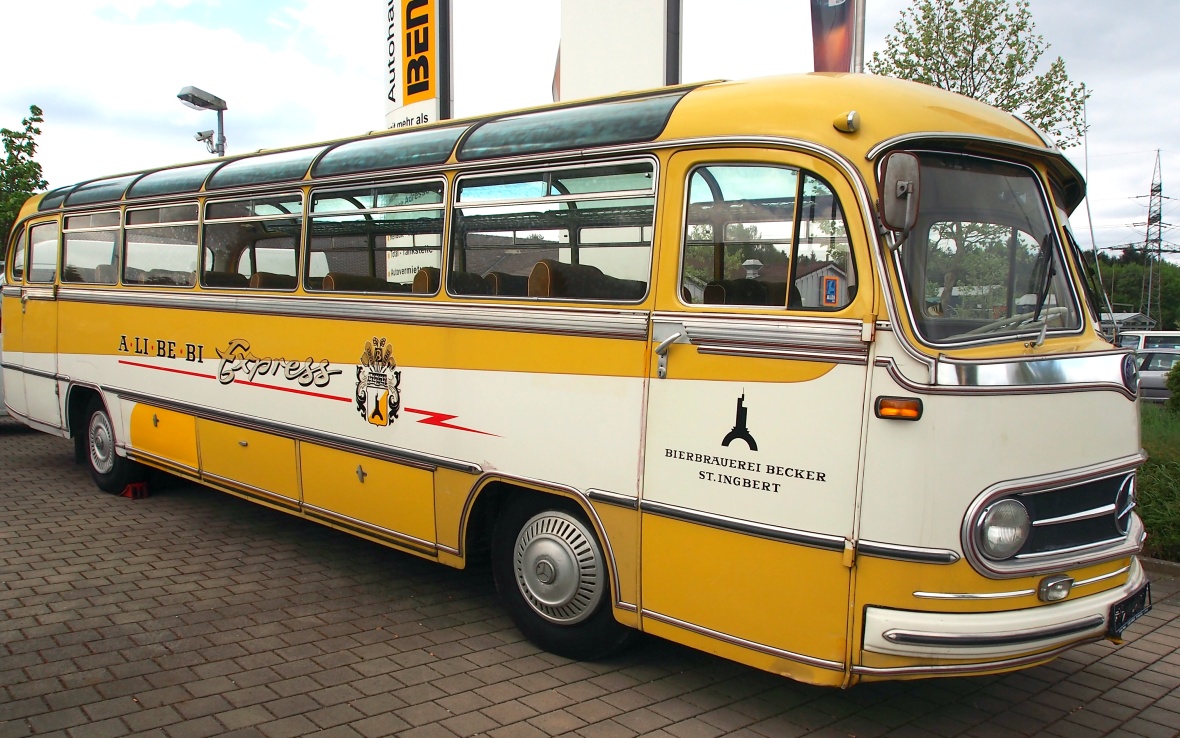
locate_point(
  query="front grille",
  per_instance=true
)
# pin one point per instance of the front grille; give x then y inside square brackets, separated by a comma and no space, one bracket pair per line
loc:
[1079,516]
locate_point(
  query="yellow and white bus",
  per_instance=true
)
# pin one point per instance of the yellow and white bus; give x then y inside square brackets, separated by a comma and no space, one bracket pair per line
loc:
[801,371]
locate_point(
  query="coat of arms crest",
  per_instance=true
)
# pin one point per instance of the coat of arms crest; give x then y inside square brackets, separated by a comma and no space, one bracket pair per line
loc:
[378,398]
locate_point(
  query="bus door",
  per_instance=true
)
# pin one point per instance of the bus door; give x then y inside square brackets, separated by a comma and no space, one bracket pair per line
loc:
[38,317]
[756,393]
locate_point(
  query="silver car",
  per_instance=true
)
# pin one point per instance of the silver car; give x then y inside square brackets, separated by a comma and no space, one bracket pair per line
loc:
[1154,366]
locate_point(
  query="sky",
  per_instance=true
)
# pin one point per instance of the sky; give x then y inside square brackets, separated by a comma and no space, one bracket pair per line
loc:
[106,74]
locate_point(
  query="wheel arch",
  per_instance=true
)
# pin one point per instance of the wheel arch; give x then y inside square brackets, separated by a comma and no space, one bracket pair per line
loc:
[493,491]
[78,398]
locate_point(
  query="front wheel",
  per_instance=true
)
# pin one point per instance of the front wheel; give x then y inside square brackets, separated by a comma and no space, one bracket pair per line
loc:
[111,472]
[552,577]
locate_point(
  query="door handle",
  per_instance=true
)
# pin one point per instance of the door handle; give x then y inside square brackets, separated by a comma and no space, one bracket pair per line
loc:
[662,353]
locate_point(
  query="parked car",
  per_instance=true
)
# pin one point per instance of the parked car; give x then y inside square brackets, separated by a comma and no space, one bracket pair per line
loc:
[1141,340]
[1154,366]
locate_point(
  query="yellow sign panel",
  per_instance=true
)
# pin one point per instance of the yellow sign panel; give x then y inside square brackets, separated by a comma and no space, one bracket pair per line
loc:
[419,70]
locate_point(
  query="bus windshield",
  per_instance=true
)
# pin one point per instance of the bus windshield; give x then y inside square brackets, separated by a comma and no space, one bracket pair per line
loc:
[983,262]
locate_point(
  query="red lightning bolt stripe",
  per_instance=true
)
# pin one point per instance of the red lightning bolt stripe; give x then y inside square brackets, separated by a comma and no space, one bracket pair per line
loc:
[441,420]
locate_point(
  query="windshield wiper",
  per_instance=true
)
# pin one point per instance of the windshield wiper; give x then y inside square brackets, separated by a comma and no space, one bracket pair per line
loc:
[1050,272]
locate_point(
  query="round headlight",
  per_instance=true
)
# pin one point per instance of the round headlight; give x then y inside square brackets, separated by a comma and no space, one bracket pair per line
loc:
[1003,529]
[1131,374]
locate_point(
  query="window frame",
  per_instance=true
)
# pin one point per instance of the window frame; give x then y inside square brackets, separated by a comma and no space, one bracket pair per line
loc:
[455,206]
[375,184]
[127,226]
[205,222]
[852,279]
[117,252]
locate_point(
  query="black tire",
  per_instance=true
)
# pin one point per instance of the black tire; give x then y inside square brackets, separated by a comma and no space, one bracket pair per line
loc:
[111,472]
[535,542]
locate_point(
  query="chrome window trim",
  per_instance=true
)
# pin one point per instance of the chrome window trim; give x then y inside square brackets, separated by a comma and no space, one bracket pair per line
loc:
[1059,253]
[1051,561]
[444,235]
[66,229]
[373,183]
[239,197]
[455,205]
[137,209]
[1095,383]
[742,642]
[762,530]
[773,335]
[620,324]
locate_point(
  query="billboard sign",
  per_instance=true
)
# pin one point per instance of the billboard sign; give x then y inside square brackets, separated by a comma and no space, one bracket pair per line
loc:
[418,62]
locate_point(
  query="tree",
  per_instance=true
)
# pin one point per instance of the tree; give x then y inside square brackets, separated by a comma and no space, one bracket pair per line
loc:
[20,175]
[987,50]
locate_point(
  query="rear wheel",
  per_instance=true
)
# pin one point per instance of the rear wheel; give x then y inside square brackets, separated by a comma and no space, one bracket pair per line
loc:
[552,577]
[111,472]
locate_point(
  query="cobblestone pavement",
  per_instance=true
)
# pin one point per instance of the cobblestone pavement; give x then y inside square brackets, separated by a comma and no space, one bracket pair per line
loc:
[192,613]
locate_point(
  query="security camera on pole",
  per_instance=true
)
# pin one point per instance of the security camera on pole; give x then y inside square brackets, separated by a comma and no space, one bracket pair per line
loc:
[198,99]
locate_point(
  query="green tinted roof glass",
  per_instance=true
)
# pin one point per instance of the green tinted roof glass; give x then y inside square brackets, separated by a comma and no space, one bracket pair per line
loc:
[103,190]
[284,166]
[411,149]
[583,126]
[54,198]
[173,181]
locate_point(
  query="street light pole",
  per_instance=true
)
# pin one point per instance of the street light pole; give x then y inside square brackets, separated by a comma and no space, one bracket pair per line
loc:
[198,99]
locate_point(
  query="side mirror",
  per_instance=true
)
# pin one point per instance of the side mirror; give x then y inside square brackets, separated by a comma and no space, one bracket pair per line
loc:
[899,194]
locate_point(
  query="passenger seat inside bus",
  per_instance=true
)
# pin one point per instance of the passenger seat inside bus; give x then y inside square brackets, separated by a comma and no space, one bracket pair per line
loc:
[551,278]
[344,282]
[751,292]
[272,281]
[224,279]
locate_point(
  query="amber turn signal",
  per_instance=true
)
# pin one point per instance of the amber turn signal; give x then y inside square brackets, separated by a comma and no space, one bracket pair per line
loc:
[899,408]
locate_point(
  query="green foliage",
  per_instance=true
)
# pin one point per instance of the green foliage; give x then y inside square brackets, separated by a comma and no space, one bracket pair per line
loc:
[987,50]
[1173,384]
[20,175]
[1159,483]
[1124,281]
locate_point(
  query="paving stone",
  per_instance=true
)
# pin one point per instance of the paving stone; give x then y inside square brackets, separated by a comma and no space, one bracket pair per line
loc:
[193,614]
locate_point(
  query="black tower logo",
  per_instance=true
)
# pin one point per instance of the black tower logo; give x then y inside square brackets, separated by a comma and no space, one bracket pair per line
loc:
[740,431]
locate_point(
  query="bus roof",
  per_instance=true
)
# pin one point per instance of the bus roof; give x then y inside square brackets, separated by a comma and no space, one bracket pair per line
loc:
[799,107]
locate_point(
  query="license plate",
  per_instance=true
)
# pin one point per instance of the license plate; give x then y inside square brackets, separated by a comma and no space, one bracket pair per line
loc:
[1123,613]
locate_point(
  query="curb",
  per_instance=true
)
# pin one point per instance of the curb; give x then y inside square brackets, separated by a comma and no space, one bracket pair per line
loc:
[1159,566]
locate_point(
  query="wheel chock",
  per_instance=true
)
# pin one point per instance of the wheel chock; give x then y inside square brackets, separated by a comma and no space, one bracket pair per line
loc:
[135,491]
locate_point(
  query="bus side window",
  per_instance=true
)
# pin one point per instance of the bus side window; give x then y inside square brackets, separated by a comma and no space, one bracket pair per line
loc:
[376,239]
[16,262]
[42,253]
[160,246]
[252,243]
[567,234]
[90,248]
[766,236]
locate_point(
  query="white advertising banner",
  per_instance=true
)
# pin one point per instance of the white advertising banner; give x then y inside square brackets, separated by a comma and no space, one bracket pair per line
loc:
[610,46]
[417,62]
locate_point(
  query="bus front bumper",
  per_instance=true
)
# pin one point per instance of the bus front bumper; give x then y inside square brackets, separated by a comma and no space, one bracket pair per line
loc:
[993,640]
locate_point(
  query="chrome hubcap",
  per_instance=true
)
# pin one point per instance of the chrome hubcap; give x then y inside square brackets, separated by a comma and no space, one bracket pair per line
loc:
[559,567]
[102,443]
